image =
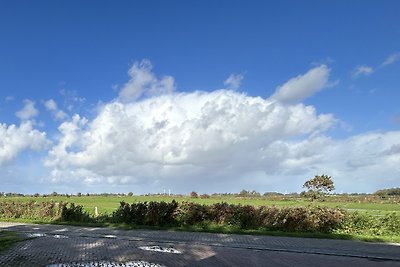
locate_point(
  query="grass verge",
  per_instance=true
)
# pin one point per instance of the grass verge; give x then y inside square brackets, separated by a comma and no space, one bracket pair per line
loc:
[8,238]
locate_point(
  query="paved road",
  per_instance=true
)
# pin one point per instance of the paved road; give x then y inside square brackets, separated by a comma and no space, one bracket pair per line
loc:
[67,246]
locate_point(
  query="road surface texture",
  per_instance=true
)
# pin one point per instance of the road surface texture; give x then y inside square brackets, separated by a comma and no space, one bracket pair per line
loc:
[70,246]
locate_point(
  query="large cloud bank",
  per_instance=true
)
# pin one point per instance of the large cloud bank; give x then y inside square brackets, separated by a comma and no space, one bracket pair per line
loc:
[153,137]
[216,141]
[174,134]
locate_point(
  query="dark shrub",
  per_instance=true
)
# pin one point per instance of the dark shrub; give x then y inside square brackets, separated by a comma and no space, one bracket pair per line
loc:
[74,213]
[152,213]
[123,214]
[248,217]
[138,212]
[192,213]
[222,213]
[161,213]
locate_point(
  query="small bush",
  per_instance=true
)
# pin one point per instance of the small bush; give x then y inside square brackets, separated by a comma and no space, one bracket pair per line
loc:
[74,213]
[246,217]
[138,213]
[221,213]
[161,213]
[123,214]
[152,213]
[194,194]
[192,213]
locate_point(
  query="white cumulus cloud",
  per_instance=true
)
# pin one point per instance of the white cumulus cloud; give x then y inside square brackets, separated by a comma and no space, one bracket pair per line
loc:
[197,134]
[57,113]
[234,81]
[15,139]
[143,82]
[28,111]
[303,86]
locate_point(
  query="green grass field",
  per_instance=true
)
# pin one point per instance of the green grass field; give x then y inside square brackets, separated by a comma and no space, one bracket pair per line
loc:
[107,204]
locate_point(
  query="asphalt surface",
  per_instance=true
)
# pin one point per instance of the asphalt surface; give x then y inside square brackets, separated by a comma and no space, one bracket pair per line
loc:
[69,246]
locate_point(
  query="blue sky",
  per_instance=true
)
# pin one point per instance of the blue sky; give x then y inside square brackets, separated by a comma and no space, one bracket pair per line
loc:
[209,96]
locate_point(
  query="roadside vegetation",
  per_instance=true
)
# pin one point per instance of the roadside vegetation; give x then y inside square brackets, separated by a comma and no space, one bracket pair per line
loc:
[7,239]
[373,217]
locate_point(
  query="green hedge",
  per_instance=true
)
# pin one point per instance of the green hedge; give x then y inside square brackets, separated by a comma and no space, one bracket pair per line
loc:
[366,224]
[309,219]
[30,210]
